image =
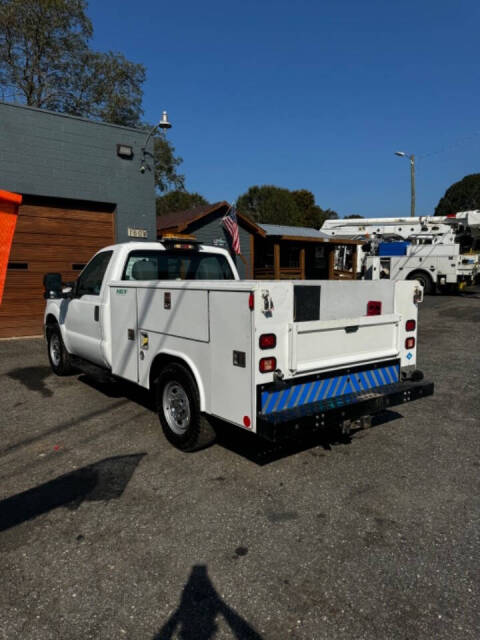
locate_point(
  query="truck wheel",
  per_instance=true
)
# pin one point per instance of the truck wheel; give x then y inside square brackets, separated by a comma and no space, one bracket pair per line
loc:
[59,357]
[424,279]
[178,406]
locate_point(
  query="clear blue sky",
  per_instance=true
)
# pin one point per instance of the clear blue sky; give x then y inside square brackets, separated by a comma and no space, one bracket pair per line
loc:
[310,94]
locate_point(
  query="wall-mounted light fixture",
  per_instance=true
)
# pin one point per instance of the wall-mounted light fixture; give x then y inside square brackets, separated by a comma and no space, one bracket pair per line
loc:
[163,124]
[124,151]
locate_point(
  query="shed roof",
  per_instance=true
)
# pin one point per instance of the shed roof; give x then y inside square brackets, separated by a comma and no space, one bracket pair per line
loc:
[180,220]
[288,230]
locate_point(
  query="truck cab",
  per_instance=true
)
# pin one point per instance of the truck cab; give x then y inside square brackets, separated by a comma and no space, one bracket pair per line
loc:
[84,314]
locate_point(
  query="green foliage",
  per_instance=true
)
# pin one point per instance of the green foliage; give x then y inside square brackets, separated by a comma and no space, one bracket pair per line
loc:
[463,195]
[179,201]
[165,165]
[275,205]
[46,62]
[41,43]
[352,216]
[270,204]
[305,199]
[107,87]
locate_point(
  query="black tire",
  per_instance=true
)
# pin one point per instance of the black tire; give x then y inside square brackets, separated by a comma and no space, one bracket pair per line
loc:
[58,355]
[425,280]
[183,424]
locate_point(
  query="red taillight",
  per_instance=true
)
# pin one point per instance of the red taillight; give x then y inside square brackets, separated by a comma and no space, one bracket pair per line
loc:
[410,325]
[267,341]
[251,302]
[409,343]
[374,308]
[247,422]
[267,365]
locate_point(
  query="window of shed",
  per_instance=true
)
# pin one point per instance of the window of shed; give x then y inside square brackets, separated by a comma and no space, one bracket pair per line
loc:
[289,255]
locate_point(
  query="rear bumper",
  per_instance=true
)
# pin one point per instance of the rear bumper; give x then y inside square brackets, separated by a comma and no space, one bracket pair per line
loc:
[331,413]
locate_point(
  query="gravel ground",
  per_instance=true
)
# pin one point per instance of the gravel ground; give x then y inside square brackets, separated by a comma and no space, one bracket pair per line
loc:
[106,531]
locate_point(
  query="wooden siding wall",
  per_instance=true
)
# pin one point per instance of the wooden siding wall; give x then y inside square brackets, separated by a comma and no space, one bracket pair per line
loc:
[48,238]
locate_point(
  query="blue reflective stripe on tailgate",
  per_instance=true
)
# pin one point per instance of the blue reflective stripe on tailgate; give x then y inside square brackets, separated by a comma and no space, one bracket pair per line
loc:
[304,393]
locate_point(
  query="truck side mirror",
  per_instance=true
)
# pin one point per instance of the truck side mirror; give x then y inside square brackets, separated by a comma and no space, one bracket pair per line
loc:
[53,285]
[69,289]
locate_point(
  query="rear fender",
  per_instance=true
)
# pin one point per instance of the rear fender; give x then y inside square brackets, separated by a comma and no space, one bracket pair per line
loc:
[181,358]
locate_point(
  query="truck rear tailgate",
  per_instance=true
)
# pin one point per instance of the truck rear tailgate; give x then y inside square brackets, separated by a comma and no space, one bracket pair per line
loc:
[294,419]
[323,344]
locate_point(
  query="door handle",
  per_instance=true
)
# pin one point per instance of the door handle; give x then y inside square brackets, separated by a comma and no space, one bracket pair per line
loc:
[351,329]
[96,313]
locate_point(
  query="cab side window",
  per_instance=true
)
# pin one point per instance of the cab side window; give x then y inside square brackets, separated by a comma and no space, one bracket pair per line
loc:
[91,278]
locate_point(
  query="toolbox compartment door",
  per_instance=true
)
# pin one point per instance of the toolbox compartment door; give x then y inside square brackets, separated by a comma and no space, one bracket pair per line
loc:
[321,345]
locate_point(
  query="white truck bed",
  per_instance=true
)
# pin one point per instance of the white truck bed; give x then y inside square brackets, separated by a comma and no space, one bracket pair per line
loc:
[206,323]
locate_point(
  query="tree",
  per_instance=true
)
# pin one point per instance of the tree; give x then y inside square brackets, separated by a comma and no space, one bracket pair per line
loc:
[353,216]
[46,62]
[269,204]
[276,205]
[463,195]
[42,44]
[179,201]
[311,214]
[165,165]
[106,87]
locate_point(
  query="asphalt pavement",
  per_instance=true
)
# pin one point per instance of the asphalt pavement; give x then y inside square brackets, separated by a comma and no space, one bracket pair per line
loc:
[107,531]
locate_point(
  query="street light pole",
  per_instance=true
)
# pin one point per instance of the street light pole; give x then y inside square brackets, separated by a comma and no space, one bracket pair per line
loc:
[411,157]
[412,185]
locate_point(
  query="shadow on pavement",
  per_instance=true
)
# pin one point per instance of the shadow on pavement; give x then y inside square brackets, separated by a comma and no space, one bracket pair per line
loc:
[200,604]
[263,452]
[33,378]
[104,480]
[120,389]
[239,441]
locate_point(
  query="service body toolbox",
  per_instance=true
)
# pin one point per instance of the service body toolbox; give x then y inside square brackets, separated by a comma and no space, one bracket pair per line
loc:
[276,357]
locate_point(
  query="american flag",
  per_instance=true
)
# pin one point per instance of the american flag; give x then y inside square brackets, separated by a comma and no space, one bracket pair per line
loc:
[231,225]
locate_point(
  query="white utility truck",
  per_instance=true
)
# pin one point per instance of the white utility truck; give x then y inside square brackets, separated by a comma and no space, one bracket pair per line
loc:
[277,358]
[438,251]
[425,257]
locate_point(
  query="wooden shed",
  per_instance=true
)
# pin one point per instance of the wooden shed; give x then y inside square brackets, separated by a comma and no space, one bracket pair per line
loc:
[268,252]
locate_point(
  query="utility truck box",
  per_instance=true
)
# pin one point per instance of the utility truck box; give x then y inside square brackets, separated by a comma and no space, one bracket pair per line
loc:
[277,358]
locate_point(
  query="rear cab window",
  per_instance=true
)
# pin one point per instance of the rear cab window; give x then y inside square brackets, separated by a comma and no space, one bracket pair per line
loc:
[176,265]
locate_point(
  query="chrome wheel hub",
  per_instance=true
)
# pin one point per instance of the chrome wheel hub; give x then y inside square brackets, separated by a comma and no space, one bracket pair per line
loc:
[55,350]
[176,407]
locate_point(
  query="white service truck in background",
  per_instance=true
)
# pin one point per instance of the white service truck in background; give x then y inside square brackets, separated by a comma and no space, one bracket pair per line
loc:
[438,251]
[276,358]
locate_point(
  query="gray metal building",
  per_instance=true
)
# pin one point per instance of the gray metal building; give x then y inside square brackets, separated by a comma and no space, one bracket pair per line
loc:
[82,188]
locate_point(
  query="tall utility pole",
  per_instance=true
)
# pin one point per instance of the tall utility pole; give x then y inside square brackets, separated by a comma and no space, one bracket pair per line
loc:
[411,157]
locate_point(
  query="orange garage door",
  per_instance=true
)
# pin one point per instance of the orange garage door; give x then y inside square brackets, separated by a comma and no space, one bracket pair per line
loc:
[51,235]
